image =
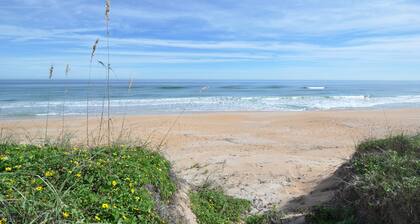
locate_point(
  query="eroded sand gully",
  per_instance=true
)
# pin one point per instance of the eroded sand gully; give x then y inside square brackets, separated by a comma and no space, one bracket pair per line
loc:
[267,157]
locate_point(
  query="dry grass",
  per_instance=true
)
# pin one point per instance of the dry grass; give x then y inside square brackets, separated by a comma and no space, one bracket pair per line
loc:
[7,137]
[67,71]
[51,71]
[94,46]
[71,137]
[107,9]
[102,110]
[107,18]
[130,85]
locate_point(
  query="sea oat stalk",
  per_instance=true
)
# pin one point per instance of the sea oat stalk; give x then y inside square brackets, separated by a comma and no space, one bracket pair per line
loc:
[66,73]
[102,109]
[107,12]
[67,70]
[130,85]
[51,71]
[92,54]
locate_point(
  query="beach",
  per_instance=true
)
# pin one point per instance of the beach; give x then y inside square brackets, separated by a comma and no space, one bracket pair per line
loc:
[269,158]
[210,112]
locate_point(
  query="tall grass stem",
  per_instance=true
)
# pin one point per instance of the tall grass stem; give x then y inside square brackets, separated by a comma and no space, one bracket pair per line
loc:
[107,11]
[51,71]
[94,46]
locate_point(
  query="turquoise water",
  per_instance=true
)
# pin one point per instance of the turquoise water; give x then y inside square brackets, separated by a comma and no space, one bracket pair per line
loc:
[30,97]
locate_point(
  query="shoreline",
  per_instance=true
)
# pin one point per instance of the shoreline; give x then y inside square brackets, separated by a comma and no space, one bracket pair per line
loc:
[269,158]
[192,113]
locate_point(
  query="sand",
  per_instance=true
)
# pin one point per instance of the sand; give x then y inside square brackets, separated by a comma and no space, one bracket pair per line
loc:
[269,158]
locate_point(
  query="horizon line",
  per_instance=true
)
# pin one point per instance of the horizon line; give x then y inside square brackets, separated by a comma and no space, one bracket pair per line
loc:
[186,79]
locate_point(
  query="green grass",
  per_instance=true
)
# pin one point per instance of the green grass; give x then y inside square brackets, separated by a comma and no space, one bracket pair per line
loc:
[211,206]
[331,215]
[269,217]
[55,185]
[384,183]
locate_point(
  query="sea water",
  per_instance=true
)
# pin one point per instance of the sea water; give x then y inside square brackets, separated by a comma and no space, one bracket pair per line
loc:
[34,98]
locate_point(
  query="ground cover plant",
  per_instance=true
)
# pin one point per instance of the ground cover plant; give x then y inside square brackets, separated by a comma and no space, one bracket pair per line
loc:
[381,184]
[105,184]
[272,216]
[211,205]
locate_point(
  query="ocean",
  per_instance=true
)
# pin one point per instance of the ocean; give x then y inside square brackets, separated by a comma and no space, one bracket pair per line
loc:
[29,98]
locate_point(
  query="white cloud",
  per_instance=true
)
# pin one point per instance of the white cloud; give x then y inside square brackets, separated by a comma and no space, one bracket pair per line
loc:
[191,32]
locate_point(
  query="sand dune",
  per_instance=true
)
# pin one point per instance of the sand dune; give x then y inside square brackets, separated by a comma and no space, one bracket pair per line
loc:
[267,157]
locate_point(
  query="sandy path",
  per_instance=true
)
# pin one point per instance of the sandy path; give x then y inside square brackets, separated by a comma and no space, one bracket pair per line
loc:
[267,157]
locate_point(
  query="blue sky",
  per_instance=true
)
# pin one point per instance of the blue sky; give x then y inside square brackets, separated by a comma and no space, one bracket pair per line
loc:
[214,39]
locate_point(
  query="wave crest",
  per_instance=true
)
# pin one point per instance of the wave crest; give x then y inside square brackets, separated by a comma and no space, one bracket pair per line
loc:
[315,87]
[202,104]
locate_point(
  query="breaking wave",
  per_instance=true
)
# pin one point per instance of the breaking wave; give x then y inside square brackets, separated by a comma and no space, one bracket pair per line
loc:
[202,104]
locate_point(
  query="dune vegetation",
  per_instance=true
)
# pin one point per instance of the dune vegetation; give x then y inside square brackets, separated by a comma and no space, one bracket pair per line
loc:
[211,205]
[67,185]
[132,184]
[380,184]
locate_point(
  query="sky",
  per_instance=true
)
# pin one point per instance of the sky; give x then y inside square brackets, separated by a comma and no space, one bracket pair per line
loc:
[213,39]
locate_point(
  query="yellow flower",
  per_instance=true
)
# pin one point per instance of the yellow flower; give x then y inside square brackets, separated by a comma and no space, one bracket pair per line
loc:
[3,158]
[97,218]
[8,169]
[78,175]
[66,215]
[3,221]
[132,190]
[39,188]
[114,183]
[105,205]
[49,173]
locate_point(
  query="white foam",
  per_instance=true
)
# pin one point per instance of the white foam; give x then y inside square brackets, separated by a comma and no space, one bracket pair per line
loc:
[49,114]
[315,87]
[220,103]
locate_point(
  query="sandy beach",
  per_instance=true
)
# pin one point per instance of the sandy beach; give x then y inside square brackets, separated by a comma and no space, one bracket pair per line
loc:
[267,157]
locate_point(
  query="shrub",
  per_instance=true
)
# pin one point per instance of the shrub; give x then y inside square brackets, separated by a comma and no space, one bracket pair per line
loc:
[330,215]
[386,184]
[382,184]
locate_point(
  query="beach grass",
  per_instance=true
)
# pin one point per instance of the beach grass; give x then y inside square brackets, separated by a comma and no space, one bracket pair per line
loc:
[331,215]
[268,217]
[50,76]
[381,184]
[99,185]
[211,205]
